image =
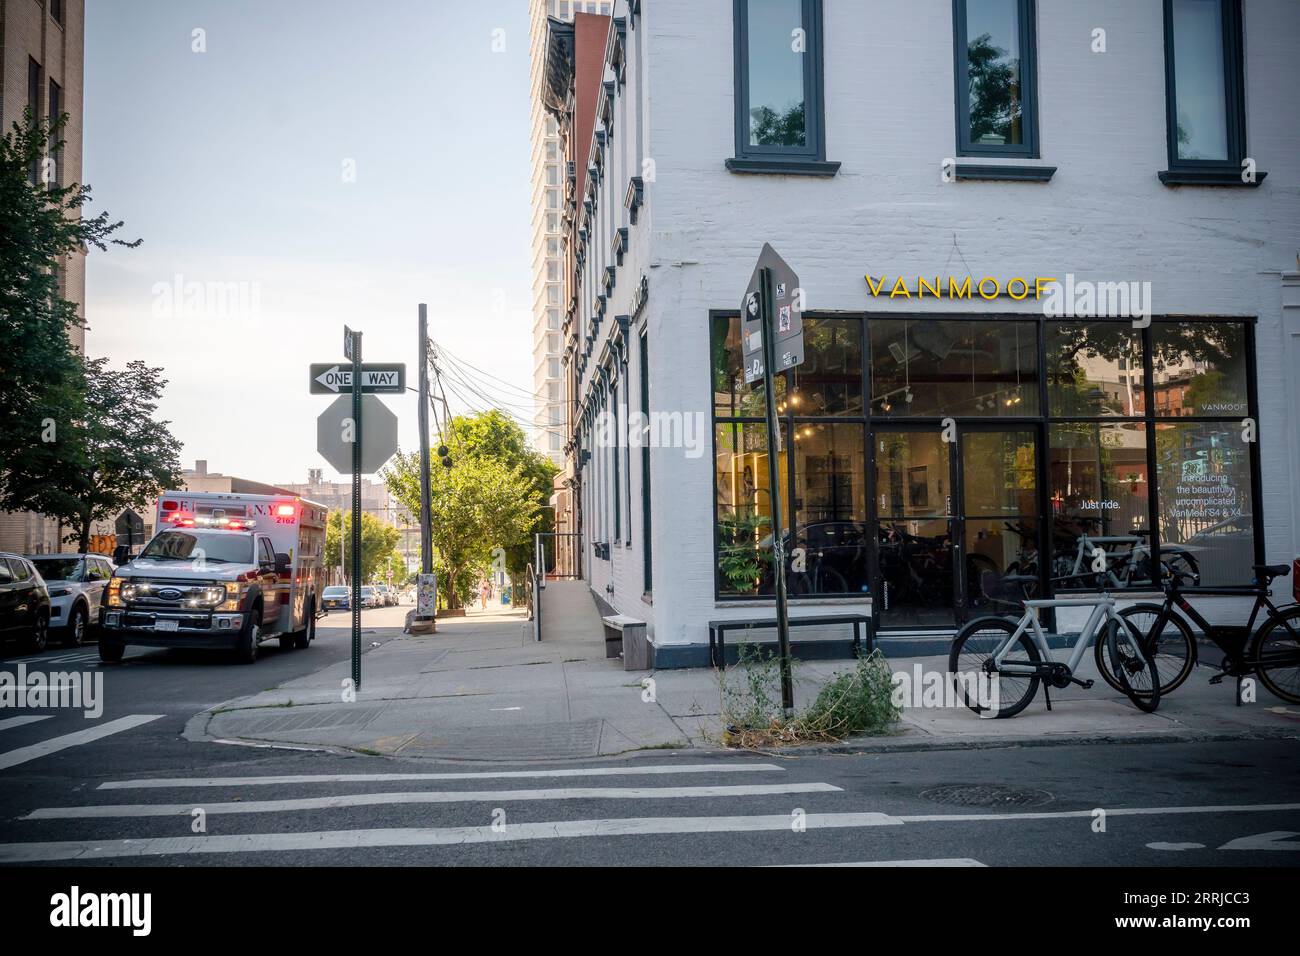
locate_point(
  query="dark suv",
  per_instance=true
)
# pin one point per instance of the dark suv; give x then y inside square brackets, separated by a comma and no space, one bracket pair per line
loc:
[24,603]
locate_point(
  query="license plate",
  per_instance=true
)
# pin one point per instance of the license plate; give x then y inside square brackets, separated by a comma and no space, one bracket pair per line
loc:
[166,625]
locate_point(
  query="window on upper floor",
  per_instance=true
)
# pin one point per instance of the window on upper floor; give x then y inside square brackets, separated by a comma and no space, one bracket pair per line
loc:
[56,10]
[994,46]
[1205,98]
[778,87]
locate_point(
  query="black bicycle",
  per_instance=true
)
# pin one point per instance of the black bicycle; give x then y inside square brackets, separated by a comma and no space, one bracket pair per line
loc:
[1272,652]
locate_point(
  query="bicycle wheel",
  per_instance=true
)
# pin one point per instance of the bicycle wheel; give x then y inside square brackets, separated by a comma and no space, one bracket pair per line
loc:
[1276,648]
[971,659]
[1173,649]
[1135,673]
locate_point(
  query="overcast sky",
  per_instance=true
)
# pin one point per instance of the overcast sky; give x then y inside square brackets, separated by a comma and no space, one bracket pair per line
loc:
[232,165]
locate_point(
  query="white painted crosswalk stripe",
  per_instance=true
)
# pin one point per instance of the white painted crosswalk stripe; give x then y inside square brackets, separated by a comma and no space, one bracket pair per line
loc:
[429,796]
[630,770]
[84,850]
[11,722]
[13,758]
[955,861]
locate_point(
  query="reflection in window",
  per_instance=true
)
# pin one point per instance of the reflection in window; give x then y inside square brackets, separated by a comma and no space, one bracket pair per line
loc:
[1199,369]
[993,71]
[1204,493]
[777,95]
[830,509]
[1099,489]
[1094,369]
[935,367]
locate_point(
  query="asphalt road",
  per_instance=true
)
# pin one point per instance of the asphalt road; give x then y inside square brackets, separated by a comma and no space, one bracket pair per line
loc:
[131,796]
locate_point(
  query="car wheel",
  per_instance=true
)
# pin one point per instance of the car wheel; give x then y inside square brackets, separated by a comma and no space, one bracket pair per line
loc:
[303,639]
[110,650]
[249,638]
[75,635]
[40,634]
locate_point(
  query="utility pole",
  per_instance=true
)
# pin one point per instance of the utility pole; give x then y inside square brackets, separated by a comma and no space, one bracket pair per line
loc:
[426,498]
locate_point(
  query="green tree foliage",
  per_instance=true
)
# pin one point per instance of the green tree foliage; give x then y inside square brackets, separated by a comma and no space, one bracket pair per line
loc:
[114,455]
[491,497]
[77,441]
[377,543]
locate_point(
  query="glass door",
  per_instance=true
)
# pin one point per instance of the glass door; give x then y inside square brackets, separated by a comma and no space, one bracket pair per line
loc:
[998,529]
[914,472]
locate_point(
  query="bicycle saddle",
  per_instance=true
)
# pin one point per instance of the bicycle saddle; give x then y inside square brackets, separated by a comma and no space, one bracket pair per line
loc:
[1271,571]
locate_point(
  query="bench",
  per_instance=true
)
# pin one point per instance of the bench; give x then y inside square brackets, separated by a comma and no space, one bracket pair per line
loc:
[625,637]
[718,629]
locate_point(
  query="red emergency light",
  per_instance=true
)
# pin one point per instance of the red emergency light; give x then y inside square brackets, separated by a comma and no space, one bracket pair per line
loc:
[285,511]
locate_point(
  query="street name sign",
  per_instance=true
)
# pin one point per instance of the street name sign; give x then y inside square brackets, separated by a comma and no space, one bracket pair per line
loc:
[387,378]
[335,426]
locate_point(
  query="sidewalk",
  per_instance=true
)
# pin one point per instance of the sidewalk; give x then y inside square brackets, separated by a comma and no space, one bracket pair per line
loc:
[481,689]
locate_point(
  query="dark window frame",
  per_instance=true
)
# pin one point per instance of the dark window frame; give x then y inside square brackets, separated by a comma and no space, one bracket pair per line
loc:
[1029,149]
[809,159]
[1234,96]
[1044,421]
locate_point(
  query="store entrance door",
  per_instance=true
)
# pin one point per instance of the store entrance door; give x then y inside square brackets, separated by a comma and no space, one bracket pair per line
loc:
[956,526]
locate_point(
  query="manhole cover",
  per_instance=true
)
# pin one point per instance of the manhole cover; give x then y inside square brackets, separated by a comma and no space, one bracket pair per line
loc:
[986,795]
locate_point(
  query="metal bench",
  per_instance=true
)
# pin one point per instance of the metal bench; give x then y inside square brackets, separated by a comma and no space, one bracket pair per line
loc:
[718,629]
[625,637]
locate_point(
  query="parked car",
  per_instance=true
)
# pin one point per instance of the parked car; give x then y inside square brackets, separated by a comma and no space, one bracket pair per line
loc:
[24,603]
[336,597]
[385,599]
[370,597]
[76,583]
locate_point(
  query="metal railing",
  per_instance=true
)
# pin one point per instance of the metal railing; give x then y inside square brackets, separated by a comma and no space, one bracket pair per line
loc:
[557,555]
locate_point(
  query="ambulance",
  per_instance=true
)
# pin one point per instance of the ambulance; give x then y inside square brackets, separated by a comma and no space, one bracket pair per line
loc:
[223,571]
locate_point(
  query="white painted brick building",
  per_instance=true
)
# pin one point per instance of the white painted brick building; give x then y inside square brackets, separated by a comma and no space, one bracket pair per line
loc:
[1087,199]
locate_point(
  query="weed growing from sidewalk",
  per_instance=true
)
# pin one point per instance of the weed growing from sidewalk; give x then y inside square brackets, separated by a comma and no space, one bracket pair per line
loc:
[851,703]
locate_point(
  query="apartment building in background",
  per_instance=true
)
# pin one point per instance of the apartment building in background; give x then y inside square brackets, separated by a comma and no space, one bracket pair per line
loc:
[549,177]
[41,66]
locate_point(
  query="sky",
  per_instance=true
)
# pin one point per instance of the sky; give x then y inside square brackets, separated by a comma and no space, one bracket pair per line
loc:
[320,164]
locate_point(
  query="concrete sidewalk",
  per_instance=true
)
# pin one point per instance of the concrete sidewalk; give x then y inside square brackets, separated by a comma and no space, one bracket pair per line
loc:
[481,689]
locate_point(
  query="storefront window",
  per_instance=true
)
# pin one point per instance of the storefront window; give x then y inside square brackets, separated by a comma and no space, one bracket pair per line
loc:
[1206,519]
[830,509]
[732,398]
[829,382]
[1099,490]
[744,509]
[1094,369]
[1199,369]
[941,368]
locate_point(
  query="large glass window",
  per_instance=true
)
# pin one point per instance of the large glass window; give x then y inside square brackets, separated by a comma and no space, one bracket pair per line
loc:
[830,509]
[1199,369]
[1094,368]
[778,79]
[744,509]
[994,46]
[941,368]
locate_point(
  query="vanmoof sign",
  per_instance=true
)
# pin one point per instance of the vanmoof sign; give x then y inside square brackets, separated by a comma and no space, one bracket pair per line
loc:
[966,287]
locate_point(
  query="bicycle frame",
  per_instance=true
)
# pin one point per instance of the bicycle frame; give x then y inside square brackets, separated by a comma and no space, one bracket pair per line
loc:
[1234,651]
[1103,608]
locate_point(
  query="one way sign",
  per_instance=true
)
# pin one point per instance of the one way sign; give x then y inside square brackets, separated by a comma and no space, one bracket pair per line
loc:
[376,379]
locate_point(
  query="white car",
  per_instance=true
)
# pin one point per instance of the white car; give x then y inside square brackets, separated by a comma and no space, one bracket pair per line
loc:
[76,583]
[370,597]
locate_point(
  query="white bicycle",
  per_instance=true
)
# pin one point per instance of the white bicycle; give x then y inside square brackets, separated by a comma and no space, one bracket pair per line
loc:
[1017,651]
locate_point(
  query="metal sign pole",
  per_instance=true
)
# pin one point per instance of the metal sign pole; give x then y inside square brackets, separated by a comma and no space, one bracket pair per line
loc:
[356,510]
[774,487]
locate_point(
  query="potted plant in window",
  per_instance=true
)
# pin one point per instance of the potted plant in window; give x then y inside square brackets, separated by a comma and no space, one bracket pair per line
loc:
[740,558]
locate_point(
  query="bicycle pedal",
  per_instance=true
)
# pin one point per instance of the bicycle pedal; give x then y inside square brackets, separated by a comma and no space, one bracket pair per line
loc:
[1085,684]
[1217,678]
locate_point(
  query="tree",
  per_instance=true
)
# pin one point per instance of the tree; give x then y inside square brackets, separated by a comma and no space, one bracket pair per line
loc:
[114,455]
[45,385]
[377,542]
[491,497]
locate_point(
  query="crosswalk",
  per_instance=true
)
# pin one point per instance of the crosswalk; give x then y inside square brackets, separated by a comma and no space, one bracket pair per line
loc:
[78,657]
[689,798]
